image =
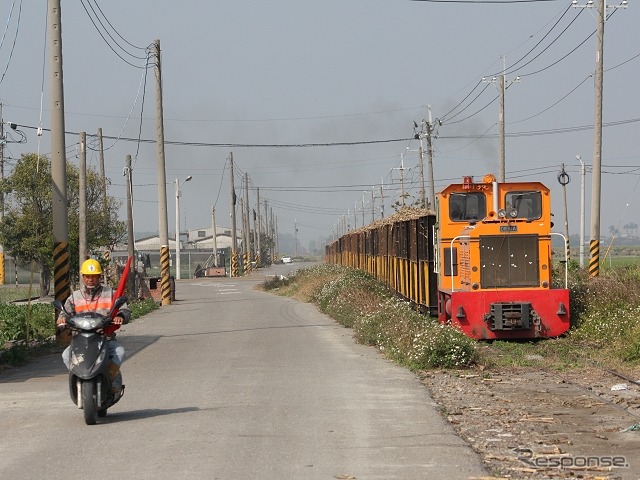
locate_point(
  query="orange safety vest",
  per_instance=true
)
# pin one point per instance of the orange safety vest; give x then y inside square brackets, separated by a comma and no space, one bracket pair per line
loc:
[81,302]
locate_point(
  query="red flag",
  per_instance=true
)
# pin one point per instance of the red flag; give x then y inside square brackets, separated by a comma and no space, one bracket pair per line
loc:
[118,293]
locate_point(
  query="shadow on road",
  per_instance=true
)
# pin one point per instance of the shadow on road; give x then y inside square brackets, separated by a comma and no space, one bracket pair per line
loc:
[146,413]
[51,365]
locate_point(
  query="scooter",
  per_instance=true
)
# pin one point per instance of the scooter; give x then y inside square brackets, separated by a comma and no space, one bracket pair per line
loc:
[89,379]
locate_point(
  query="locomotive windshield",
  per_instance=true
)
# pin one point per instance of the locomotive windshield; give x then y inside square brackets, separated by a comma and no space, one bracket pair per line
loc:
[527,204]
[464,207]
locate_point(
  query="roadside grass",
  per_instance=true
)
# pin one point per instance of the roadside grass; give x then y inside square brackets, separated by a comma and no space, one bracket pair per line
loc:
[16,347]
[605,322]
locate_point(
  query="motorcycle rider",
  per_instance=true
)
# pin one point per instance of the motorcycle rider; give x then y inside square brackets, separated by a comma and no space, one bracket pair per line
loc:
[98,298]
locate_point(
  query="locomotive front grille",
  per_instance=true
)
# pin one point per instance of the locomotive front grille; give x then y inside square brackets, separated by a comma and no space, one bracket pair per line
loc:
[508,261]
[509,316]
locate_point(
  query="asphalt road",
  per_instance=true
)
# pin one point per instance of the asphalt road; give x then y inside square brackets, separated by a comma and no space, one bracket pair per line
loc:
[230,383]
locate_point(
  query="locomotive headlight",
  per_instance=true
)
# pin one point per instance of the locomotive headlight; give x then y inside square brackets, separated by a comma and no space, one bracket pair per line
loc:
[475,286]
[502,213]
[513,213]
[545,284]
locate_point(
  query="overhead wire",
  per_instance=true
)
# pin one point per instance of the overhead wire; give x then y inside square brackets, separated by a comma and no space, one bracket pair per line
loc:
[109,44]
[114,29]
[556,103]
[13,46]
[567,54]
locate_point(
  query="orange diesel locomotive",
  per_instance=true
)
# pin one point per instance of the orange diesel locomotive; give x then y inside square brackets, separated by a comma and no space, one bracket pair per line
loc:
[482,262]
[494,261]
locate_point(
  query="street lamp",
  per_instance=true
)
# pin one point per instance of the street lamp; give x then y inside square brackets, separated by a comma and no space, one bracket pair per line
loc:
[178,184]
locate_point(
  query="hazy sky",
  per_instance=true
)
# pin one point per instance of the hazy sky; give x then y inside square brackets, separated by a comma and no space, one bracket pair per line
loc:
[261,75]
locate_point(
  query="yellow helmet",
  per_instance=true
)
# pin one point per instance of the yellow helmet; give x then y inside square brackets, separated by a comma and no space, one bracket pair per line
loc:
[91,267]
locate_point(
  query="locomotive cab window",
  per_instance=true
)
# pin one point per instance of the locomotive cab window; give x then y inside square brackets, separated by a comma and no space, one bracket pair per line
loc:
[526,204]
[465,207]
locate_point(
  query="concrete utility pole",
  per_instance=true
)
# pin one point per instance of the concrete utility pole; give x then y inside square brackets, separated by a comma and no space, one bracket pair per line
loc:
[582,175]
[214,237]
[401,168]
[82,200]
[373,206]
[426,131]
[432,198]
[355,216]
[247,227]
[3,141]
[596,171]
[234,233]
[178,247]
[274,224]
[268,232]
[103,176]
[503,84]
[382,198]
[163,224]
[130,235]
[259,259]
[58,157]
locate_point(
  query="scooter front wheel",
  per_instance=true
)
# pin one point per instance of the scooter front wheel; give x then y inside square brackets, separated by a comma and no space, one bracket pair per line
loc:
[89,406]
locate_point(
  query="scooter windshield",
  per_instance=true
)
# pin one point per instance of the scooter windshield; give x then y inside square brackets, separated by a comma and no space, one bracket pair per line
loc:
[88,322]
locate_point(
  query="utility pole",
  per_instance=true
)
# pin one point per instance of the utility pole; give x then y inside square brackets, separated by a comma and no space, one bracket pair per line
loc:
[259,229]
[401,168]
[178,246]
[426,131]
[82,200]
[214,236]
[373,206]
[165,269]
[234,233]
[596,171]
[103,177]
[256,252]
[432,199]
[355,215]
[274,224]
[3,141]
[247,228]
[58,157]
[295,234]
[268,232]
[503,84]
[382,198]
[130,235]
[582,175]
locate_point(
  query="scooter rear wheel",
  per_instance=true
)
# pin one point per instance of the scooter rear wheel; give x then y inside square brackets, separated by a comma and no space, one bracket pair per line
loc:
[89,406]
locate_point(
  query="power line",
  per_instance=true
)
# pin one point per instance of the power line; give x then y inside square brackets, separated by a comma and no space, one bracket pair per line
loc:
[109,44]
[13,46]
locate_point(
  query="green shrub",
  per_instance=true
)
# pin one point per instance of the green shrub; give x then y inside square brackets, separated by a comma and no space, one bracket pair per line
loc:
[611,313]
[142,307]
[13,322]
